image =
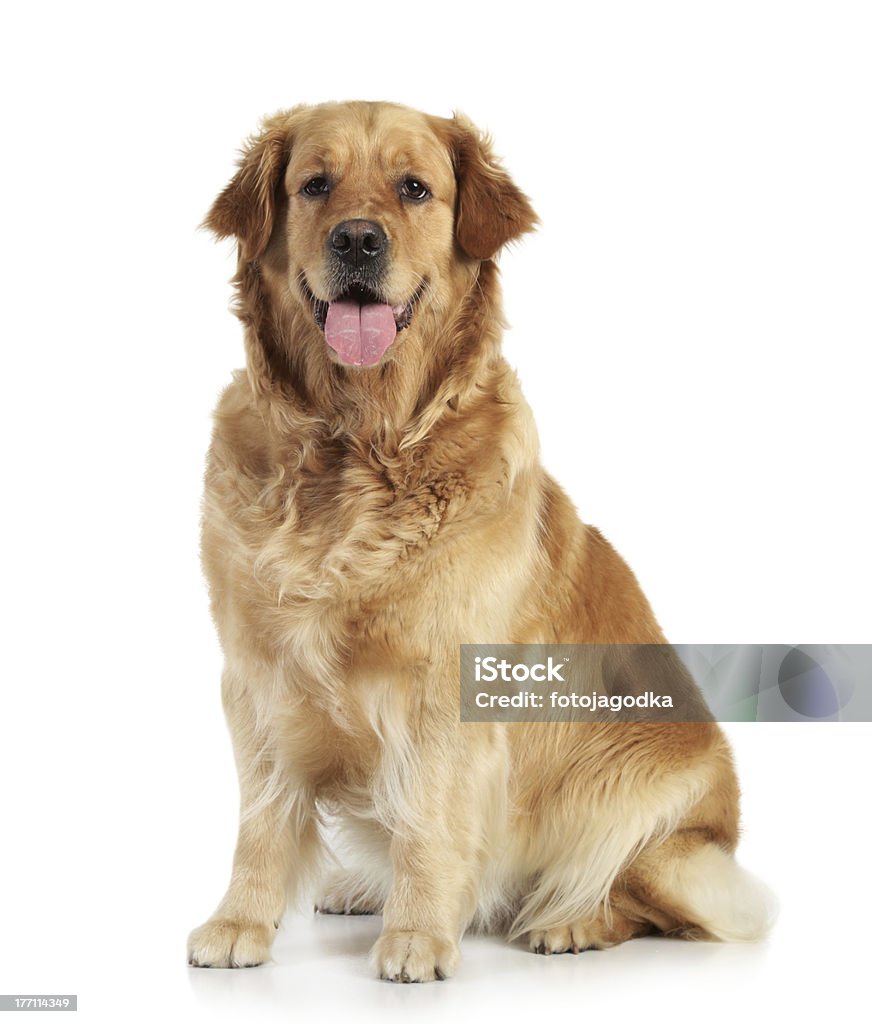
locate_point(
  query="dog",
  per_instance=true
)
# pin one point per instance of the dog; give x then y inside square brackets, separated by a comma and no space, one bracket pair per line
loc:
[374,499]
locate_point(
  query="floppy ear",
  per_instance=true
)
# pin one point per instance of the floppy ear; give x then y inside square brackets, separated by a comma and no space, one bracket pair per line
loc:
[246,208]
[491,209]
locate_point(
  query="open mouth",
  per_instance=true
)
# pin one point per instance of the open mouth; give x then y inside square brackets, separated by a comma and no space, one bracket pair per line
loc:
[358,325]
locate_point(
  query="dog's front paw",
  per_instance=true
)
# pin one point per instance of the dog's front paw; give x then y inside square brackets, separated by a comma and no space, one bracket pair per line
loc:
[223,942]
[414,956]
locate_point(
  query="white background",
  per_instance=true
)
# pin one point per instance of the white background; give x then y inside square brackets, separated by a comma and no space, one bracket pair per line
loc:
[691,325]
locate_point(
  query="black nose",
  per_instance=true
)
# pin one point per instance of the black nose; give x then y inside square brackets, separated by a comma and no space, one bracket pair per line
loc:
[357,242]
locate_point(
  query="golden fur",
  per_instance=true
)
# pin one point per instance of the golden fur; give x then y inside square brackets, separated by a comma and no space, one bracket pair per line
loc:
[362,522]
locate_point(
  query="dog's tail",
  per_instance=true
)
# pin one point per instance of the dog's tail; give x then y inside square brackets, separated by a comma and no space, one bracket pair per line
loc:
[724,900]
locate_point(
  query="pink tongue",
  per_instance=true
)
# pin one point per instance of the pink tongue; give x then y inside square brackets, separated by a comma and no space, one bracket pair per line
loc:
[360,335]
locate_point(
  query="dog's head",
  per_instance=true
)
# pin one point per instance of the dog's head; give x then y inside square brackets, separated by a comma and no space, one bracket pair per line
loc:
[370,216]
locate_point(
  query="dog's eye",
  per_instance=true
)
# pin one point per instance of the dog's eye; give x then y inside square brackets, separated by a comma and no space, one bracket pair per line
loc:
[411,188]
[316,187]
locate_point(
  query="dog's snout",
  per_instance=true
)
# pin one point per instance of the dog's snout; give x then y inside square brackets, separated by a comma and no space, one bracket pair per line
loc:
[357,242]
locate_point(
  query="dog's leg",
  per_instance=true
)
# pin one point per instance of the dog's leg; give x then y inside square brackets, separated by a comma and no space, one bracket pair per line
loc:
[278,838]
[422,919]
[453,804]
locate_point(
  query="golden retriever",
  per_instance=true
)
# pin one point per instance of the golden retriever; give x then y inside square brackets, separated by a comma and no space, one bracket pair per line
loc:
[374,498]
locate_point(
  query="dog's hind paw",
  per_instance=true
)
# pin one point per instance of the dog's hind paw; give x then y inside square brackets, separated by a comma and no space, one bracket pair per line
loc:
[586,934]
[347,893]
